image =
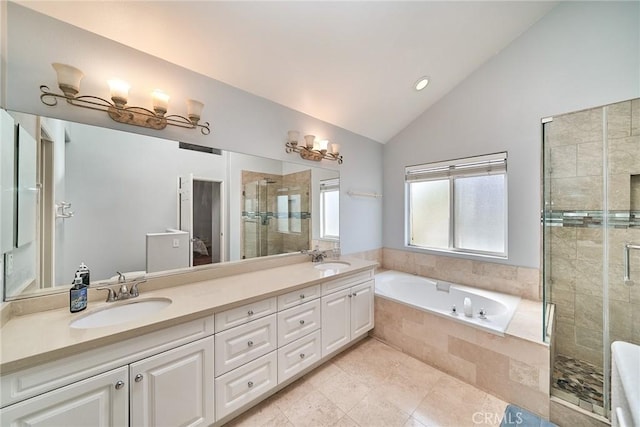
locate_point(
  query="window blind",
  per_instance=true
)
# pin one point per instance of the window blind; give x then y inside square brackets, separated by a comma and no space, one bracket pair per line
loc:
[491,164]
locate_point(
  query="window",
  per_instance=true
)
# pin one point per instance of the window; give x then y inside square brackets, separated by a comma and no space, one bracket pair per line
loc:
[330,209]
[458,205]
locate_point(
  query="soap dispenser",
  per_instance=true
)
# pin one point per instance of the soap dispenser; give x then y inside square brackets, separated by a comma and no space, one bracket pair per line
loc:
[84,273]
[78,295]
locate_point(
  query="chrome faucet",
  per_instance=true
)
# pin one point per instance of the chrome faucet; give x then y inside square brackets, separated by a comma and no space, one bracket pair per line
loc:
[316,255]
[124,292]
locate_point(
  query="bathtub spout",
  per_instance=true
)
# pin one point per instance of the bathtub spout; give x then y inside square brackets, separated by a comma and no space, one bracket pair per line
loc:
[444,287]
[468,309]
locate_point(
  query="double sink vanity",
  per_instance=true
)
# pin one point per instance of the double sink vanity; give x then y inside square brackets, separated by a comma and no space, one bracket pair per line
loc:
[199,352]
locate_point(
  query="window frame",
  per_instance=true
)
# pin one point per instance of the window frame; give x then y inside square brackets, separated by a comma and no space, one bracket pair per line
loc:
[489,164]
[326,186]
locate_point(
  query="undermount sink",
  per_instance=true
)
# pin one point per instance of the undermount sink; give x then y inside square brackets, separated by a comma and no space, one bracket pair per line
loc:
[120,313]
[331,265]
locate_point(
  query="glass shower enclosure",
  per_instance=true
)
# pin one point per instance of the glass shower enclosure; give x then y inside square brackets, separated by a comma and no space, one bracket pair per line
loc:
[591,220]
[276,214]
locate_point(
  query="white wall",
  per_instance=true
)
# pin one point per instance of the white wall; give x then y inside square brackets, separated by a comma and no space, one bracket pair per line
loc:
[240,121]
[580,55]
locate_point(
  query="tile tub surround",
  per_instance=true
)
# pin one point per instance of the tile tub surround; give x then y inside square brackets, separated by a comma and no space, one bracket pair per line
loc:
[519,281]
[515,367]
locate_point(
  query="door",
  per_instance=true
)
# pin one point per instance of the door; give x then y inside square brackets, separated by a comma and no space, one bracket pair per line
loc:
[185,209]
[200,213]
[174,388]
[102,400]
[361,309]
[335,321]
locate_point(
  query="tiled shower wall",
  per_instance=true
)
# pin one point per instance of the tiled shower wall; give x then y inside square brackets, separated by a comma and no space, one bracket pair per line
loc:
[574,144]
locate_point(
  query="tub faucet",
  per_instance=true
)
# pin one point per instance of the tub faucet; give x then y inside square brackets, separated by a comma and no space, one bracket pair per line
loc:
[482,313]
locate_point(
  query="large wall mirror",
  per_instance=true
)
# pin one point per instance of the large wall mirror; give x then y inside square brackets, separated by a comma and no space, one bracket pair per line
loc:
[134,204]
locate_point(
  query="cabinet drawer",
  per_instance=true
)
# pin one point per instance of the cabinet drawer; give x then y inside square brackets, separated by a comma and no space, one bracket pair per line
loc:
[243,314]
[343,282]
[298,321]
[244,343]
[298,355]
[240,386]
[298,297]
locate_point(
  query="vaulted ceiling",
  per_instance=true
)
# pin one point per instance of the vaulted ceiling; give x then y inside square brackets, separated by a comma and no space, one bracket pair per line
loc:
[350,63]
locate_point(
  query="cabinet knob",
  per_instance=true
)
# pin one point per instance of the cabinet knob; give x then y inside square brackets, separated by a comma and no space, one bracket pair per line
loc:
[350,295]
[250,384]
[302,322]
[119,385]
[250,344]
[354,294]
[138,378]
[301,296]
[250,312]
[301,355]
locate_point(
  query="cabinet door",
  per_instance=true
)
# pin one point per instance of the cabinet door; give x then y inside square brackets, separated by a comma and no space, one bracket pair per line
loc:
[335,321]
[174,388]
[102,400]
[361,309]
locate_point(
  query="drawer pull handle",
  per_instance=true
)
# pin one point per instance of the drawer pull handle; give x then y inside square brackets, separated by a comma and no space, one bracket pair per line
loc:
[250,384]
[138,378]
[119,385]
[250,344]
[301,296]
[250,312]
[302,322]
[301,355]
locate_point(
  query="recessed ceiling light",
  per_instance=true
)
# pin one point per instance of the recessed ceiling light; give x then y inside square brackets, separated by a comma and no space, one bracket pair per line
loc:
[421,83]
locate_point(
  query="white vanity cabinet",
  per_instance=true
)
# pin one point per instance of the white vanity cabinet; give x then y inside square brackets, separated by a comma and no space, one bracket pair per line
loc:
[174,388]
[102,400]
[346,315]
[163,378]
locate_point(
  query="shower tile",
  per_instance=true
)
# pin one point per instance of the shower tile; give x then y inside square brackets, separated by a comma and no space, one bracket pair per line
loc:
[588,312]
[635,116]
[620,320]
[624,155]
[588,354]
[563,161]
[635,323]
[573,128]
[577,193]
[589,244]
[589,159]
[563,274]
[564,301]
[619,196]
[563,243]
[589,278]
[589,338]
[619,119]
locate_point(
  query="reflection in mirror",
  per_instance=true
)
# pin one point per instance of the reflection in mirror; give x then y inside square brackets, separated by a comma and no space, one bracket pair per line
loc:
[123,202]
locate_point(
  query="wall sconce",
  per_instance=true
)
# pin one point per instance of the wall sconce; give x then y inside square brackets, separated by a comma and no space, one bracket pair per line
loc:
[69,83]
[312,149]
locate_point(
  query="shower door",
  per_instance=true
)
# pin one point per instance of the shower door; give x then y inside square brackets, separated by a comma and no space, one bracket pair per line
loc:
[591,212]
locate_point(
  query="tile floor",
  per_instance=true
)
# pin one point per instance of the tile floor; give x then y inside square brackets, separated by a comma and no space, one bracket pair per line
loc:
[578,382]
[372,384]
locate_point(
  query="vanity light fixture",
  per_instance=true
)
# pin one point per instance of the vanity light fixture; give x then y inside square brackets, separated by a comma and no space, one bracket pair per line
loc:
[69,83]
[312,149]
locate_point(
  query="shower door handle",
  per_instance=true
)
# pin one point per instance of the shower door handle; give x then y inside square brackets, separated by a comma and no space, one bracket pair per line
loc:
[627,264]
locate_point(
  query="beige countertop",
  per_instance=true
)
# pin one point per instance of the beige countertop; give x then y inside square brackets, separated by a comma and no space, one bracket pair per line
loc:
[31,339]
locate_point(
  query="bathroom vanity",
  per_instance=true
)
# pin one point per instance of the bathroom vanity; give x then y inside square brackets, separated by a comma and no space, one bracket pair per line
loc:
[218,348]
